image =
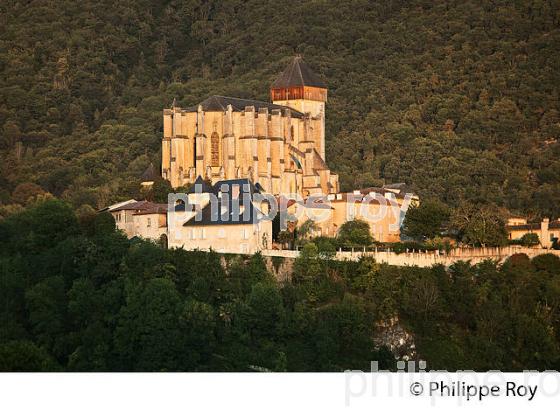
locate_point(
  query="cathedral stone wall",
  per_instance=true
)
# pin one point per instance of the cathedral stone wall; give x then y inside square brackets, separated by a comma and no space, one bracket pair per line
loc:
[272,147]
[280,145]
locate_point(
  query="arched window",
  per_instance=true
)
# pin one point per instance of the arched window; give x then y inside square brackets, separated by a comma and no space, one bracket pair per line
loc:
[215,149]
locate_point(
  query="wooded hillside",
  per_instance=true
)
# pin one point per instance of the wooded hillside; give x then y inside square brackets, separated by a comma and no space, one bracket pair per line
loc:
[458,99]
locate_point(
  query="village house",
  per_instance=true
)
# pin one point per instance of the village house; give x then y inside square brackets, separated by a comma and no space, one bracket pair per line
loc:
[547,231]
[222,217]
[141,218]
[382,209]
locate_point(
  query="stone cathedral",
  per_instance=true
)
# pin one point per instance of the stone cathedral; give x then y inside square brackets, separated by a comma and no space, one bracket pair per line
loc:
[279,145]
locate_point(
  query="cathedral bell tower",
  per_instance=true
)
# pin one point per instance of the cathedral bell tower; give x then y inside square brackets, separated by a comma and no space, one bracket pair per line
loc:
[301,89]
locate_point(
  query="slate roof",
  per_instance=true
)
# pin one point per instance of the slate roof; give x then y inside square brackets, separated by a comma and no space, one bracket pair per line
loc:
[245,184]
[533,226]
[298,74]
[200,186]
[111,208]
[223,214]
[227,210]
[149,174]
[156,209]
[220,103]
[145,207]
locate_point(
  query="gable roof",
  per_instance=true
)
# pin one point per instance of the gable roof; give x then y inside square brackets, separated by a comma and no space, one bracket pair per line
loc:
[117,205]
[227,208]
[220,103]
[298,74]
[146,207]
[223,213]
[155,209]
[245,184]
[200,186]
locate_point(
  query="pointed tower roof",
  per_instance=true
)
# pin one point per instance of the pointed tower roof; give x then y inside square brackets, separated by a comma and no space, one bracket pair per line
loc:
[298,74]
[149,174]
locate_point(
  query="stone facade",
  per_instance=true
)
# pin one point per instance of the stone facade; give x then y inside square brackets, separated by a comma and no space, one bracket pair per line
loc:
[428,258]
[211,219]
[278,148]
[279,145]
[382,209]
[144,219]
[548,231]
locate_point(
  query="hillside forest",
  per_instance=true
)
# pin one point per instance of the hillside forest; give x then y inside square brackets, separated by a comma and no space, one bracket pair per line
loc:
[460,100]
[77,295]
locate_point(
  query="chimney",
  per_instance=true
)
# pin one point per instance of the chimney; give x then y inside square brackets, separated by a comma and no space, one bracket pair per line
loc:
[544,236]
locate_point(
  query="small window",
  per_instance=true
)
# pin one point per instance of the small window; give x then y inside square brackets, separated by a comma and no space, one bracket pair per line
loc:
[244,234]
[243,248]
[203,233]
[221,233]
[149,222]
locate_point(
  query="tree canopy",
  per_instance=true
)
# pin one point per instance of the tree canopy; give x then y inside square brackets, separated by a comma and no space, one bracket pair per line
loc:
[457,99]
[427,220]
[354,233]
[91,300]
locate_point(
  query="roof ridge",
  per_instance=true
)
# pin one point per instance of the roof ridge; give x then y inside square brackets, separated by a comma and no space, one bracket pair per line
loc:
[220,102]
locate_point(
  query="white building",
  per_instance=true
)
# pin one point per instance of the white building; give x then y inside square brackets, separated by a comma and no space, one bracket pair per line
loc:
[222,217]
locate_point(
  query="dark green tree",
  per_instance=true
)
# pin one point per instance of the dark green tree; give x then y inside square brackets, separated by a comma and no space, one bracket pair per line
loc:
[354,234]
[427,220]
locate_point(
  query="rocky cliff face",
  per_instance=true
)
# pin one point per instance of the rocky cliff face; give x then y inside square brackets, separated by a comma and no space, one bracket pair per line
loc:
[392,334]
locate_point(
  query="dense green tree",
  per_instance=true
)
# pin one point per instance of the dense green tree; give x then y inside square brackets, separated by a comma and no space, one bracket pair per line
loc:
[354,234]
[198,323]
[25,192]
[18,356]
[91,300]
[530,239]
[46,303]
[548,262]
[461,110]
[479,226]
[426,220]
[308,264]
[147,337]
[305,232]
[343,332]
[159,191]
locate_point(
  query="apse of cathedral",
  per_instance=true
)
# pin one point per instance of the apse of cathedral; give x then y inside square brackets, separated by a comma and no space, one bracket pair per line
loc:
[279,145]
